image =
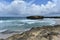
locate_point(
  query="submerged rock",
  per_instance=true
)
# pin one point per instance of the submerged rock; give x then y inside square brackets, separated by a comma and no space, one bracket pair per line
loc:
[39,33]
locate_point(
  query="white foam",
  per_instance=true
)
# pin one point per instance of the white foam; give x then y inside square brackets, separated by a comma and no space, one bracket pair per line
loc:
[14,23]
[3,30]
[48,21]
[3,21]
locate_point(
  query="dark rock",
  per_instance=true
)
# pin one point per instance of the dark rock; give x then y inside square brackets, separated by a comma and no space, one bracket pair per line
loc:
[34,17]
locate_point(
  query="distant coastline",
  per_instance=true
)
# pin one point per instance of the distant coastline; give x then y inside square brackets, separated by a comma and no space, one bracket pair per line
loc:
[40,17]
[52,17]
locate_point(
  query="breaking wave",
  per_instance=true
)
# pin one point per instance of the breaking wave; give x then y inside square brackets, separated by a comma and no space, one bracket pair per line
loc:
[23,24]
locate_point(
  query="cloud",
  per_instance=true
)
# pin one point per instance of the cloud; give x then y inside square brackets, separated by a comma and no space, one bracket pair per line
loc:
[58,5]
[22,8]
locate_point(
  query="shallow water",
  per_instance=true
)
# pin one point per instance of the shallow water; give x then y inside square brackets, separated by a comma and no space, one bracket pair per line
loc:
[23,24]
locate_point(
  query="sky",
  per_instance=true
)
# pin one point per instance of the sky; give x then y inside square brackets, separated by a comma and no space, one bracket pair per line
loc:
[22,8]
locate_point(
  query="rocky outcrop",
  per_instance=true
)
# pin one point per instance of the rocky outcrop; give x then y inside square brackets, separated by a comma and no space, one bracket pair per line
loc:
[39,33]
[35,17]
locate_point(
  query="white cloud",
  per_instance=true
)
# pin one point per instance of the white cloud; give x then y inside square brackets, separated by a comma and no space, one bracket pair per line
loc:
[58,5]
[22,8]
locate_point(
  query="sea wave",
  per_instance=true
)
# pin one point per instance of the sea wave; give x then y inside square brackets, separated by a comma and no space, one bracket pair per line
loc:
[24,24]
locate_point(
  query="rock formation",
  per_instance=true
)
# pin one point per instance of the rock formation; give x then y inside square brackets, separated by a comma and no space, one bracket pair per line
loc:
[35,17]
[39,33]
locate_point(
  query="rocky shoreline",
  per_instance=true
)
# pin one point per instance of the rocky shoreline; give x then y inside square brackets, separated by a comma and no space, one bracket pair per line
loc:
[38,33]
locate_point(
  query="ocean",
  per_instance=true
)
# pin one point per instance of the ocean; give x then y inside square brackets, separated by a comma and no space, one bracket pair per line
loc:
[23,24]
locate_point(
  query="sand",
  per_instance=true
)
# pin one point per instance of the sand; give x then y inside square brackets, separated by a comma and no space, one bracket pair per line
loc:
[4,36]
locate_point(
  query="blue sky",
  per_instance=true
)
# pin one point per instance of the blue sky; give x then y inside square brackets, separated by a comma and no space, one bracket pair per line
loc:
[6,0]
[36,1]
[39,1]
[27,7]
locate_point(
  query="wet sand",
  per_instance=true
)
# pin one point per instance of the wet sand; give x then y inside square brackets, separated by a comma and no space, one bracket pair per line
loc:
[4,36]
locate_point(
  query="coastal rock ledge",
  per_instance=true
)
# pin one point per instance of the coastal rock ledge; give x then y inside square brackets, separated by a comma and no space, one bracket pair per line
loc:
[38,33]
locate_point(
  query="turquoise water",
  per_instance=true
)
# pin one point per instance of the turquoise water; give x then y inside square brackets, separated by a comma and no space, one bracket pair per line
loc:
[23,24]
